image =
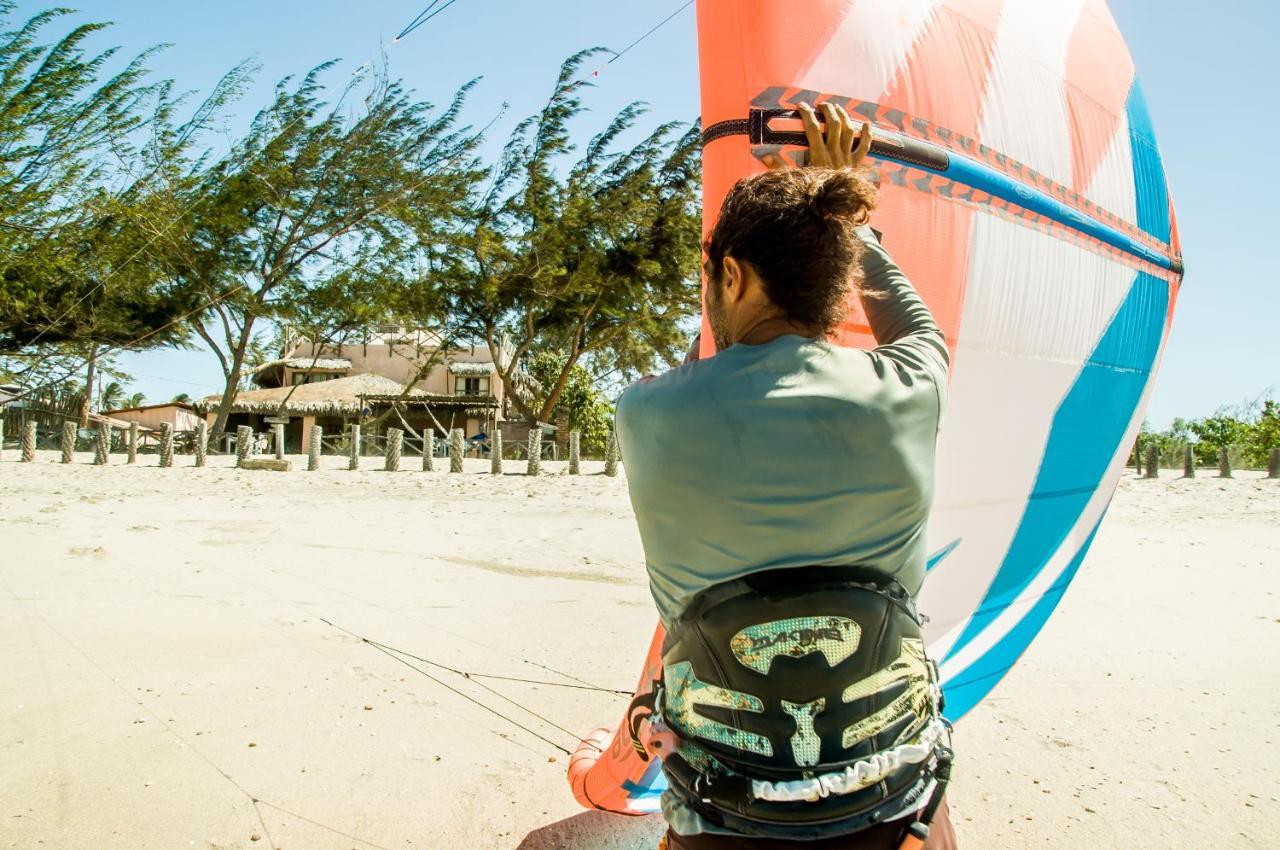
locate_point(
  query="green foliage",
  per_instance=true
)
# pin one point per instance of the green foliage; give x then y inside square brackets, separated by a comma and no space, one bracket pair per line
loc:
[322,214]
[1262,436]
[597,259]
[112,397]
[586,407]
[1248,432]
[87,173]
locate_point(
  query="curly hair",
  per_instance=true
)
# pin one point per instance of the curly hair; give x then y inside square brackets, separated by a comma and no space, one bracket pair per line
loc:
[796,228]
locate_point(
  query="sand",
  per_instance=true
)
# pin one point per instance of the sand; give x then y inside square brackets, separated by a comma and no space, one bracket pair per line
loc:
[169,680]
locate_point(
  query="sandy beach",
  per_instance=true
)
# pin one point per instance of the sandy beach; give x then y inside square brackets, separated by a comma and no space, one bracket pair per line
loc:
[182,666]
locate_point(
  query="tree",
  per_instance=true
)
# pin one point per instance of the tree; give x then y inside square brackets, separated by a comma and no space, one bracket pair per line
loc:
[314,195]
[112,397]
[1214,432]
[584,405]
[137,400]
[56,116]
[600,263]
[86,167]
[1262,436]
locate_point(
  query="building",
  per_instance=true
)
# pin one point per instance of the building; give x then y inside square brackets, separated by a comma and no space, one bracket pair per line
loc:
[401,379]
[182,416]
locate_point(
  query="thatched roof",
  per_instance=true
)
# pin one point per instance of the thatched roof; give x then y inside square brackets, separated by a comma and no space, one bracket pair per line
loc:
[320,364]
[330,398]
[472,369]
[271,373]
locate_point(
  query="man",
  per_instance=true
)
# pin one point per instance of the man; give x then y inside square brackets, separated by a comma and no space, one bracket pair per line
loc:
[781,490]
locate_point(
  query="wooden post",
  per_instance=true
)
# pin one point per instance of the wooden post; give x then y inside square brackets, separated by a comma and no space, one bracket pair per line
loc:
[166,445]
[1153,462]
[1,436]
[244,437]
[29,442]
[611,455]
[428,449]
[313,448]
[456,441]
[575,452]
[1137,455]
[1273,464]
[1224,463]
[1189,463]
[102,444]
[133,442]
[277,437]
[353,457]
[202,443]
[535,451]
[495,453]
[395,445]
[68,441]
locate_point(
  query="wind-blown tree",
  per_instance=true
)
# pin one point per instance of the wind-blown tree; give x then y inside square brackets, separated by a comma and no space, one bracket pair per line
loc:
[91,177]
[87,171]
[57,116]
[598,260]
[314,193]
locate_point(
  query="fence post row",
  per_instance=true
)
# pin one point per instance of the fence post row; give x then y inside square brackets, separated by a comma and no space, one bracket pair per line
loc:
[428,449]
[313,448]
[395,444]
[535,451]
[244,437]
[202,443]
[495,453]
[166,445]
[1224,463]
[575,452]
[353,456]
[102,444]
[611,455]
[68,441]
[1189,463]
[456,441]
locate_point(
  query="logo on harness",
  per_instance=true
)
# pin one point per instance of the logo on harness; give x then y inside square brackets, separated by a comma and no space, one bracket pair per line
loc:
[756,646]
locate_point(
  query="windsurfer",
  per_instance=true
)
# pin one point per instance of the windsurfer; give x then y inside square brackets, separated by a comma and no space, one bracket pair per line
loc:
[781,490]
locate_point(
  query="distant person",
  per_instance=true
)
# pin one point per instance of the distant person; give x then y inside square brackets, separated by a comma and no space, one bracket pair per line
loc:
[781,490]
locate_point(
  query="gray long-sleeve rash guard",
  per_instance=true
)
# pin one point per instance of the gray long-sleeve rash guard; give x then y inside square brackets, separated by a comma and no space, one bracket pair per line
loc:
[792,453]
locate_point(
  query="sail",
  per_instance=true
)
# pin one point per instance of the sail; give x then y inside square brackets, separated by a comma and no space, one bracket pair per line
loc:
[1023,193]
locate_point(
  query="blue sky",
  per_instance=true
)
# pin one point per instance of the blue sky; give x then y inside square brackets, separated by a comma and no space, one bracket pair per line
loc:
[1203,69]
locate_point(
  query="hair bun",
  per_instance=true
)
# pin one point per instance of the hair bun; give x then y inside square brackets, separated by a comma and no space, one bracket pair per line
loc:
[843,196]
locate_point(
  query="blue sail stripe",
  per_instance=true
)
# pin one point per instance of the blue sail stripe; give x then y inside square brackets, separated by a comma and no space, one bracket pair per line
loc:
[1086,432]
[967,688]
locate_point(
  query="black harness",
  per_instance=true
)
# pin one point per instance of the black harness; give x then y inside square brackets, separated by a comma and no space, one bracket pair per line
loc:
[803,704]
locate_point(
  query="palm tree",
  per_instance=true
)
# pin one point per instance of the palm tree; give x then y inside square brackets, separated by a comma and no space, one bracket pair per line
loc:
[182,398]
[112,397]
[137,400]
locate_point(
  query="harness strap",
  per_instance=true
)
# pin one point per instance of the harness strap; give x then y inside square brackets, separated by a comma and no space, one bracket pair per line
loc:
[635,717]
[918,831]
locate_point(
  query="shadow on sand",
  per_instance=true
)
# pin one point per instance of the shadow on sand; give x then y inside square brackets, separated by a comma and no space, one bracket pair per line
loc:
[596,831]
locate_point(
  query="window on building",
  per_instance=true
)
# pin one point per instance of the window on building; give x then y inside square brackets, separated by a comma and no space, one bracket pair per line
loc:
[471,386]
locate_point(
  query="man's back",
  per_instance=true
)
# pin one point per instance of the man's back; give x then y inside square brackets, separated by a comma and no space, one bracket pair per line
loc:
[791,453]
